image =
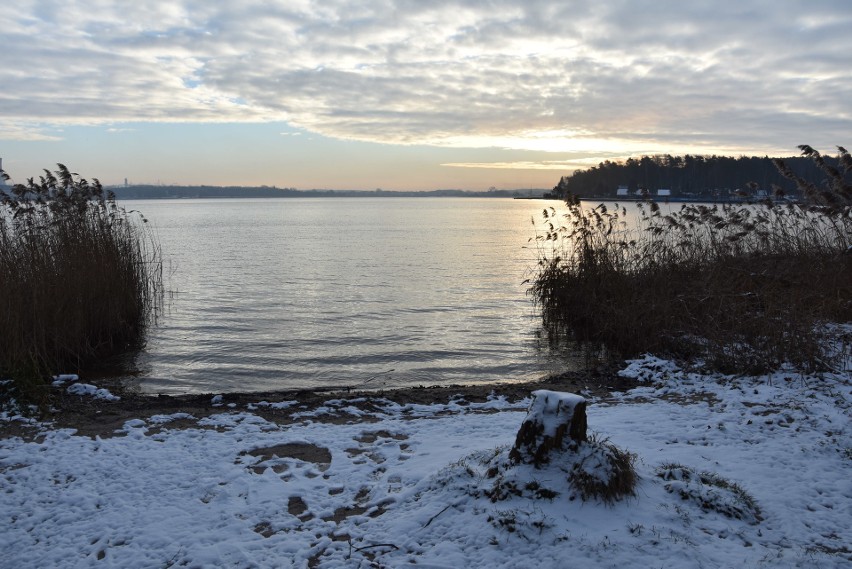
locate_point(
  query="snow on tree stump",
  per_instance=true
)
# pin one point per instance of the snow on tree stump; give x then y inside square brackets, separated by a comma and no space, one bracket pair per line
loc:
[553,417]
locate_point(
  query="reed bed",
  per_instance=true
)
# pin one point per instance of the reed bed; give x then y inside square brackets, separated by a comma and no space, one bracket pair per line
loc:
[80,277]
[744,288]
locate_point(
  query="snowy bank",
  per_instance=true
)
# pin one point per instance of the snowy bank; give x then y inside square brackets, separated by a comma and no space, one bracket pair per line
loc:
[733,471]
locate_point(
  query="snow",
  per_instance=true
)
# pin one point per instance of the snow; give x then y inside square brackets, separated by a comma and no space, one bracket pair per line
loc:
[63,378]
[88,389]
[551,409]
[83,389]
[733,471]
[268,405]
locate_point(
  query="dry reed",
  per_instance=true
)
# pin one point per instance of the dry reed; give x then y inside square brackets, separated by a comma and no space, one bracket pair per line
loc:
[742,287]
[80,277]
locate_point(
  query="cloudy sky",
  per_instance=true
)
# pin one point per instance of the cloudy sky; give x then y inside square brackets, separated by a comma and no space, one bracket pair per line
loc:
[413,94]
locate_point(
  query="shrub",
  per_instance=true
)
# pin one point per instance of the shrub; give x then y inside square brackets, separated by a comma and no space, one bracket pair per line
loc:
[744,286]
[80,277]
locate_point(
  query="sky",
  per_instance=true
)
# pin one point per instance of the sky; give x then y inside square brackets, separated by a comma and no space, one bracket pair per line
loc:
[414,94]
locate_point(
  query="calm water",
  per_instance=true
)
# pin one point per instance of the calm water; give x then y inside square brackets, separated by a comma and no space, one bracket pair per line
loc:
[372,292]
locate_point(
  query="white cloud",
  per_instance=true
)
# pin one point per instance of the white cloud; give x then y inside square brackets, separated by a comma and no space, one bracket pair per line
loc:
[757,75]
[561,165]
[25,132]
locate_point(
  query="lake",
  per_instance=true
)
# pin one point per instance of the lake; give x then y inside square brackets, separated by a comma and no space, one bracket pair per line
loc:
[326,292]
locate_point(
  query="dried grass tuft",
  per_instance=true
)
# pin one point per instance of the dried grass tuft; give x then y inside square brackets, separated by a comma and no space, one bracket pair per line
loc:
[593,469]
[710,492]
[604,472]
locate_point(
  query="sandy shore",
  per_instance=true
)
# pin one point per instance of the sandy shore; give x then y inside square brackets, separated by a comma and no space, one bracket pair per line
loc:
[98,417]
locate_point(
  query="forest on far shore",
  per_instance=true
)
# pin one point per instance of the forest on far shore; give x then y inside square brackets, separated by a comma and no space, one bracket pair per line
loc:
[690,176]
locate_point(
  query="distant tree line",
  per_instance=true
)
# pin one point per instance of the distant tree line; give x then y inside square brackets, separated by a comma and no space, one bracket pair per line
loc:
[188,192]
[160,192]
[690,176]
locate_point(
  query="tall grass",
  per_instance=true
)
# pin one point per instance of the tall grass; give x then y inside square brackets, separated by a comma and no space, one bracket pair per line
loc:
[80,277]
[743,287]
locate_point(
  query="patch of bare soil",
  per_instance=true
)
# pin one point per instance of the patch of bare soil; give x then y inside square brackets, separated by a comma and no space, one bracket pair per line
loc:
[306,452]
[96,417]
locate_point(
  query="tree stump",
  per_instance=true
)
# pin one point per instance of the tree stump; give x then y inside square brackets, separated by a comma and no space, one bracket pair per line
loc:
[553,417]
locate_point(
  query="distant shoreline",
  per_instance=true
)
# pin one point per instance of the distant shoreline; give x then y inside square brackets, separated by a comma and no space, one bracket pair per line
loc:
[673,199]
[240,192]
[232,192]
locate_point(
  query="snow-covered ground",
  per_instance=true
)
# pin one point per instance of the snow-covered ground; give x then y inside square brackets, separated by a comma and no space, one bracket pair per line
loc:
[408,488]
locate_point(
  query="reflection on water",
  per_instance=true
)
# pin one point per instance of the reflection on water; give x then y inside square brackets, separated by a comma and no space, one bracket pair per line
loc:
[313,292]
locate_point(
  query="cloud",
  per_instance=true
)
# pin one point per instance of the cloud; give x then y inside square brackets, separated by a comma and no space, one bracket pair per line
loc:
[631,75]
[561,165]
[26,132]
